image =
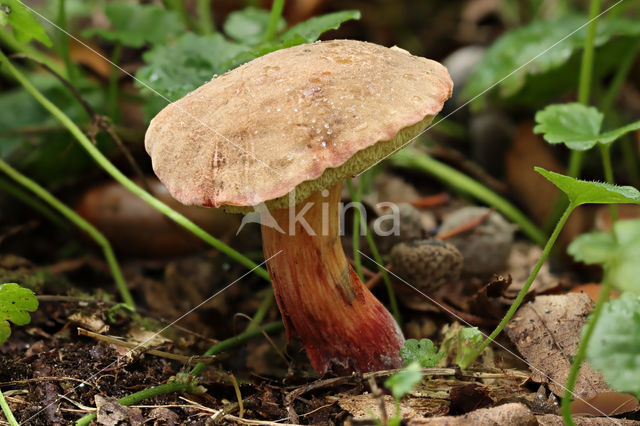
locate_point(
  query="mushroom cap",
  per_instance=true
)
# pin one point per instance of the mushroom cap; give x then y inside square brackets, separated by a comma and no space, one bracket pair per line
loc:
[305,117]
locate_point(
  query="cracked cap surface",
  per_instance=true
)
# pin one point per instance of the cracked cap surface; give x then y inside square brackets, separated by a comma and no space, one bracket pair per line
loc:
[305,117]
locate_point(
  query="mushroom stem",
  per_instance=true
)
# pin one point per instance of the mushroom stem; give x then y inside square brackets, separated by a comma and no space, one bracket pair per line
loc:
[322,301]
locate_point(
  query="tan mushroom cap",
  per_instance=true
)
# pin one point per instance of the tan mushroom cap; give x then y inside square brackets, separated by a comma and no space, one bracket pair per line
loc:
[305,117]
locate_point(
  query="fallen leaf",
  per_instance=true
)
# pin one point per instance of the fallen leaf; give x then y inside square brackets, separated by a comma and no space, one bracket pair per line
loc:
[507,414]
[609,403]
[593,291]
[111,413]
[547,332]
[553,420]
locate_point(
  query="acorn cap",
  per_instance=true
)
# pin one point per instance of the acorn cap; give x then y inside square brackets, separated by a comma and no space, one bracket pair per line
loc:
[305,117]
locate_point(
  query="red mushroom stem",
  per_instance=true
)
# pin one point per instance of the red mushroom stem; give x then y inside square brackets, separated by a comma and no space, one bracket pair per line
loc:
[322,300]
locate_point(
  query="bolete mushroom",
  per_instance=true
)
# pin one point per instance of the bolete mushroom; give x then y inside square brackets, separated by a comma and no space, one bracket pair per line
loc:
[285,130]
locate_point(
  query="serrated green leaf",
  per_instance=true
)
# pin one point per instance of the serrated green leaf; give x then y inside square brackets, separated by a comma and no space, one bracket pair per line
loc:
[618,256]
[585,192]
[25,26]
[536,49]
[403,381]
[135,24]
[423,352]
[176,69]
[614,347]
[574,124]
[594,247]
[577,126]
[311,29]
[15,304]
[249,25]
[468,340]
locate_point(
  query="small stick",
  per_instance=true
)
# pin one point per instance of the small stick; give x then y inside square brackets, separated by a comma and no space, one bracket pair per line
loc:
[431,201]
[375,278]
[465,227]
[141,348]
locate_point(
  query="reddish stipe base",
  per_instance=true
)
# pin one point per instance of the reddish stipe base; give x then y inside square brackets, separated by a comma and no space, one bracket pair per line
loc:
[342,326]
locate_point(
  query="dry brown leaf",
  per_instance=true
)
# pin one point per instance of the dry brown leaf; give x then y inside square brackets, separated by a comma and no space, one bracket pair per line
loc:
[111,413]
[547,332]
[362,407]
[553,420]
[513,414]
[593,291]
[609,403]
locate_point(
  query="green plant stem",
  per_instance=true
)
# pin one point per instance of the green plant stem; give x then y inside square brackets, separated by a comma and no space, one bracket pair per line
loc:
[7,39]
[29,200]
[125,181]
[80,223]
[64,41]
[582,351]
[408,158]
[584,82]
[267,303]
[393,302]
[274,17]
[171,387]
[629,153]
[235,341]
[179,7]
[7,411]
[205,23]
[618,79]
[605,152]
[186,385]
[523,292]
[356,196]
[112,101]
[586,66]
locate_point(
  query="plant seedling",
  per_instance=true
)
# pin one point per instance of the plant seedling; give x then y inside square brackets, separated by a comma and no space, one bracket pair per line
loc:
[579,192]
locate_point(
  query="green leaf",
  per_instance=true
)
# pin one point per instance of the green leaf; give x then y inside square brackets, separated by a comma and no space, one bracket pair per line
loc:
[311,29]
[584,192]
[25,26]
[573,124]
[135,24]
[15,304]
[469,339]
[615,344]
[535,49]
[424,352]
[249,25]
[617,252]
[403,381]
[577,126]
[594,247]
[178,68]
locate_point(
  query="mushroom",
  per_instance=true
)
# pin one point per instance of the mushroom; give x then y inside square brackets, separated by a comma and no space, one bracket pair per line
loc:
[278,135]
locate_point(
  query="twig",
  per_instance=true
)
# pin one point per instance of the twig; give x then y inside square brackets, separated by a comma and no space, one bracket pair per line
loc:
[140,348]
[236,388]
[465,227]
[431,200]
